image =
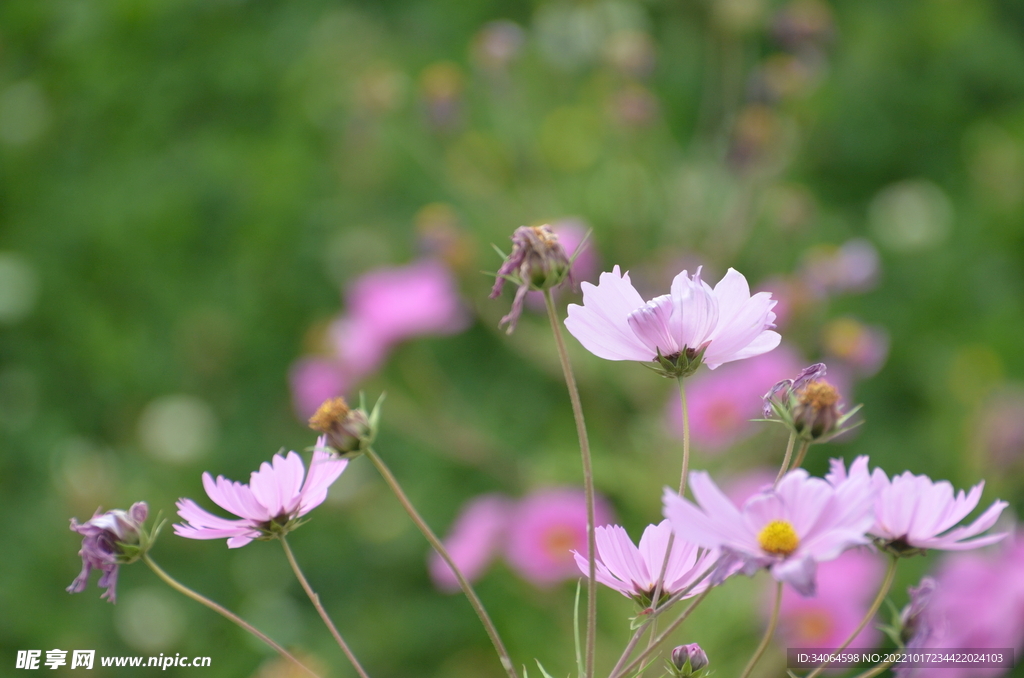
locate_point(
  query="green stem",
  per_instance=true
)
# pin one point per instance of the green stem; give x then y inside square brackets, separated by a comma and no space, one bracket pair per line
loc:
[315,599]
[882,592]
[686,440]
[467,588]
[804,446]
[874,670]
[767,634]
[619,672]
[588,483]
[785,459]
[224,612]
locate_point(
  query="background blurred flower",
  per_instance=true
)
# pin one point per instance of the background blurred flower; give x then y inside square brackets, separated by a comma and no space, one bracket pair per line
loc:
[846,587]
[474,540]
[864,348]
[545,528]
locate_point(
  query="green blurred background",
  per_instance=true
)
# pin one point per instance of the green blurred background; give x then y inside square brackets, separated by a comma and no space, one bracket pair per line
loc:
[187,186]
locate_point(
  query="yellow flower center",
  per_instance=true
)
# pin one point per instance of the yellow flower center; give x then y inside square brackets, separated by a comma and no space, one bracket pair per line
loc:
[778,537]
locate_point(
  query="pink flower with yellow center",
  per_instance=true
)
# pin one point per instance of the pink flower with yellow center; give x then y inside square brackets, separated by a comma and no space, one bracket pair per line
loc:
[788,529]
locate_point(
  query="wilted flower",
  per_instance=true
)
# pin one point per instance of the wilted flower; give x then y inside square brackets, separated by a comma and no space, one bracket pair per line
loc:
[110,539]
[269,505]
[474,540]
[678,331]
[790,529]
[808,405]
[917,628]
[914,513]
[537,262]
[544,530]
[634,572]
[348,431]
[687,660]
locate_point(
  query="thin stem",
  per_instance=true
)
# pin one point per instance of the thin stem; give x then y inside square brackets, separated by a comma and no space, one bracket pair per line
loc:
[617,672]
[804,446]
[315,599]
[785,459]
[882,592]
[224,612]
[686,439]
[588,483]
[874,670]
[767,634]
[467,588]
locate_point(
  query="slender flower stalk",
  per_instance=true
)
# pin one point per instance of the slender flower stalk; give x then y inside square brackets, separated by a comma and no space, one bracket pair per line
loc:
[315,599]
[588,486]
[686,438]
[620,671]
[804,446]
[769,632]
[788,456]
[467,588]
[882,593]
[224,612]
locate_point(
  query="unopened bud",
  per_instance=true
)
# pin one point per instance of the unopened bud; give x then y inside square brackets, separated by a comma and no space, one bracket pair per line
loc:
[688,660]
[348,431]
[817,409]
[537,262]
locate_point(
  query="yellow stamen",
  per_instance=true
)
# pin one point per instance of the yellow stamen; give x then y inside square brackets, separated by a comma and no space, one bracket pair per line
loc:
[331,411]
[778,537]
[819,395]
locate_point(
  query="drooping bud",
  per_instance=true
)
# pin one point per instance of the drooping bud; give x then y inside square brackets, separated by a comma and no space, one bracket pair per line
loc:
[688,660]
[537,262]
[109,540]
[915,627]
[349,431]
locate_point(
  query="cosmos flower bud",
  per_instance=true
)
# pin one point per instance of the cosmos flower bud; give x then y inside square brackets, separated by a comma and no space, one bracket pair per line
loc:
[348,431]
[915,627]
[109,540]
[537,262]
[688,660]
[817,409]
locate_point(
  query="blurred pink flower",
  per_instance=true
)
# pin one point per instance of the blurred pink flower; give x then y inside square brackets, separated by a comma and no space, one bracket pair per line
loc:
[275,496]
[634,572]
[789,530]
[852,267]
[545,528]
[917,512]
[615,323]
[742,487]
[407,301]
[978,603]
[313,381]
[722,403]
[862,347]
[474,540]
[846,587]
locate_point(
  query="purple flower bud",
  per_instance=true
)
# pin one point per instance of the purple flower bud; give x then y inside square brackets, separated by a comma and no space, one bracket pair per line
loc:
[537,262]
[105,538]
[688,659]
[916,628]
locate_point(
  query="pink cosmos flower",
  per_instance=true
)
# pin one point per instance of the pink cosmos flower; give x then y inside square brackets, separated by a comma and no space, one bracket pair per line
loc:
[544,530]
[275,496]
[473,541]
[408,301]
[102,535]
[615,323]
[633,571]
[846,587]
[915,512]
[722,403]
[789,530]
